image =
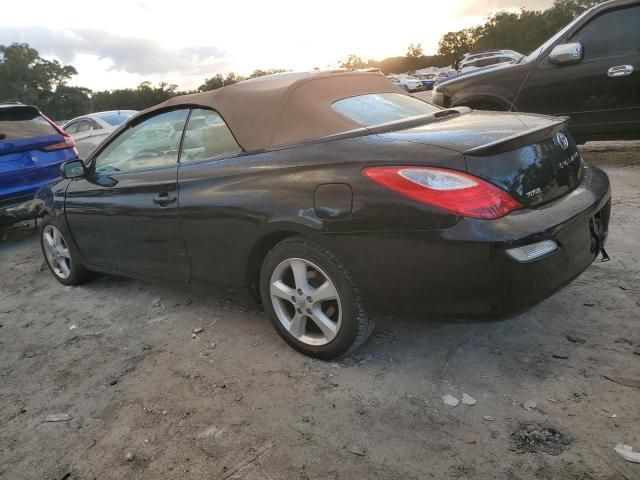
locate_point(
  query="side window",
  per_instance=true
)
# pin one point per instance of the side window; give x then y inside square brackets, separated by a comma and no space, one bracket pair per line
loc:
[610,34]
[95,125]
[207,136]
[72,128]
[151,143]
[84,126]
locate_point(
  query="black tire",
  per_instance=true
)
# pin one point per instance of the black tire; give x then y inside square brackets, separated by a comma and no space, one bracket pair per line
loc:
[78,274]
[355,326]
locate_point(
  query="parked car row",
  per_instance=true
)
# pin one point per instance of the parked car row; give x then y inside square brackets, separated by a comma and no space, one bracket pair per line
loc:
[407,83]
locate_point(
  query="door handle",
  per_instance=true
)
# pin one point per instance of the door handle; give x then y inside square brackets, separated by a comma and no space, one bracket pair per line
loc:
[620,71]
[164,199]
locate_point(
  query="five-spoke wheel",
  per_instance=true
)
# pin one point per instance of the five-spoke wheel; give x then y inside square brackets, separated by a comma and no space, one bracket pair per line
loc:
[60,254]
[306,301]
[312,299]
[56,251]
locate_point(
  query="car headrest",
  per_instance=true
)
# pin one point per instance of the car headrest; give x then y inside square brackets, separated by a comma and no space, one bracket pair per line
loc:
[217,140]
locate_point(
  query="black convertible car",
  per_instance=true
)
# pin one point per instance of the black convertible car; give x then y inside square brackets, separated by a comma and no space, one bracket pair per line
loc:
[333,195]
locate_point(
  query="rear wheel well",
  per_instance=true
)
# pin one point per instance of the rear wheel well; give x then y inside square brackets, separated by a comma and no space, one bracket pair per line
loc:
[257,255]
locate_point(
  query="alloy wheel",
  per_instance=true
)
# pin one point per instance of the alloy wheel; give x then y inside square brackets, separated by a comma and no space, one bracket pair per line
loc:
[57,251]
[306,301]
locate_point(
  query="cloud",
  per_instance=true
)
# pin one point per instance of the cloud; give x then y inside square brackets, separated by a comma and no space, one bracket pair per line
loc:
[483,8]
[128,54]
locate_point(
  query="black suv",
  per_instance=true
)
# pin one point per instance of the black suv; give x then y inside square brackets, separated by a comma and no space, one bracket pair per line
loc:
[590,70]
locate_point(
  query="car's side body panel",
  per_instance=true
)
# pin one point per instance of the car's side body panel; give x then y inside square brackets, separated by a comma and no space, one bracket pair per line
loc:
[116,223]
[228,206]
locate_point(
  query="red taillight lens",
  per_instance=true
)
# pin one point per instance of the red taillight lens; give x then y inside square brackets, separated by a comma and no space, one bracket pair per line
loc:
[456,192]
[68,141]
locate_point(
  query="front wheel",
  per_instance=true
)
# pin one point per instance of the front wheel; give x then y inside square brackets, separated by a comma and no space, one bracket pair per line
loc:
[61,257]
[313,301]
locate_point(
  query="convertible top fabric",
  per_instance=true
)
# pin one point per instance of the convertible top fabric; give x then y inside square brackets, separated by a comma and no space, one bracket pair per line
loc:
[285,108]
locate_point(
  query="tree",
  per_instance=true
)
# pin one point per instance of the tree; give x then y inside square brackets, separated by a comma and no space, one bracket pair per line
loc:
[68,102]
[453,44]
[270,71]
[28,78]
[219,81]
[415,50]
[143,96]
[522,31]
[353,61]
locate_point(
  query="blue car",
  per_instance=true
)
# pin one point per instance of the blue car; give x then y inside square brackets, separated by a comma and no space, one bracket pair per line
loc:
[32,148]
[428,80]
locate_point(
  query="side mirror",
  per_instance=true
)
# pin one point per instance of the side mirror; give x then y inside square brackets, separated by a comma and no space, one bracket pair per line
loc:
[566,54]
[72,169]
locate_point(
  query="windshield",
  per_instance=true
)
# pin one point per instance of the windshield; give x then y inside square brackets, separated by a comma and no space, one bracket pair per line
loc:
[116,118]
[378,108]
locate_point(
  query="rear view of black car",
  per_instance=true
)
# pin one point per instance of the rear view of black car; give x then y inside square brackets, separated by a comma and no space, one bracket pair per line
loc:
[32,148]
[590,71]
[333,196]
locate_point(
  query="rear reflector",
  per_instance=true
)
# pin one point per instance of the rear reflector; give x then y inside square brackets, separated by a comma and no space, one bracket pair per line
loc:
[534,251]
[456,192]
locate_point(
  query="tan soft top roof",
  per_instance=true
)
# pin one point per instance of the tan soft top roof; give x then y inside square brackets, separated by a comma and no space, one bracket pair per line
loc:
[285,108]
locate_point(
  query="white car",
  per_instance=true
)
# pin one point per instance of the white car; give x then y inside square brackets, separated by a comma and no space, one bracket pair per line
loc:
[412,84]
[88,131]
[473,61]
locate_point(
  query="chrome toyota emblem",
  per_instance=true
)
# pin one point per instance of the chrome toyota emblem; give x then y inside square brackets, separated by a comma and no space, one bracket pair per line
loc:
[562,140]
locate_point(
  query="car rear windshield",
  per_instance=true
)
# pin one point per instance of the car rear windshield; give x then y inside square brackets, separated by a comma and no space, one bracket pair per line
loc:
[21,123]
[378,108]
[117,118]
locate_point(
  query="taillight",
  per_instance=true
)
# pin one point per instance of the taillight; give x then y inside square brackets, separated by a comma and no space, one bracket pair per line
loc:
[453,191]
[68,141]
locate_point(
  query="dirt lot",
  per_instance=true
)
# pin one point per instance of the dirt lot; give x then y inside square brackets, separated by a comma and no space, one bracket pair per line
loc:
[147,400]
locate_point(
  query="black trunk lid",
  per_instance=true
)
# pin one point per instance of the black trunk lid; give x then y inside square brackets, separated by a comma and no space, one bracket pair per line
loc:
[533,157]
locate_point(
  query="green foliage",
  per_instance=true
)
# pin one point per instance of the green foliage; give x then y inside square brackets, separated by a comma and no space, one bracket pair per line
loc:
[523,31]
[143,96]
[28,78]
[353,61]
[415,50]
[68,102]
[270,71]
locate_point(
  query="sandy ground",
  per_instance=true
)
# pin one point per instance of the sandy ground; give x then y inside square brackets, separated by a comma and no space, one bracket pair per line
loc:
[118,357]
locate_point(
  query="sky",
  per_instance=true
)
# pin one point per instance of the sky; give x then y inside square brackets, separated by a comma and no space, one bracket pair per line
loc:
[120,43]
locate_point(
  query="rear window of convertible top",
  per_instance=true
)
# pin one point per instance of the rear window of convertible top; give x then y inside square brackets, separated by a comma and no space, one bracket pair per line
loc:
[378,108]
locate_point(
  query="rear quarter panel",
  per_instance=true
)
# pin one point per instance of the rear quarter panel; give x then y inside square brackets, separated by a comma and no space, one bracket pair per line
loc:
[229,206]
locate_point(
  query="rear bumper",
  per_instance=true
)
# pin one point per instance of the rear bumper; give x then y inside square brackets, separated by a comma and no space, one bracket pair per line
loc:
[465,271]
[16,208]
